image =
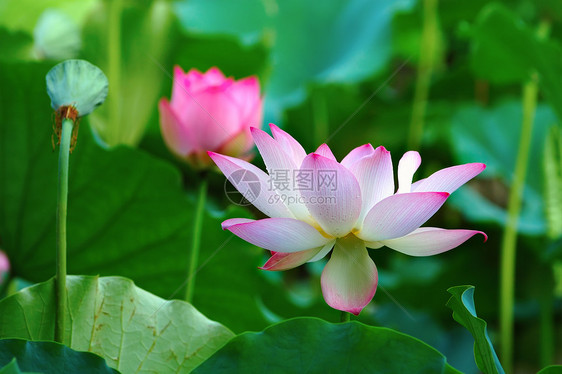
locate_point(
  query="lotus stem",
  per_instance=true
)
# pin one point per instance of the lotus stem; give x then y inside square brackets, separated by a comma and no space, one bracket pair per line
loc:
[428,50]
[509,240]
[196,243]
[114,71]
[62,203]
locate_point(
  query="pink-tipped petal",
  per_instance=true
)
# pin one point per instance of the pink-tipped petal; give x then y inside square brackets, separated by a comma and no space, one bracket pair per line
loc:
[289,144]
[5,267]
[246,94]
[214,77]
[325,151]
[428,241]
[253,184]
[186,84]
[449,179]
[212,113]
[177,137]
[273,154]
[350,277]
[356,154]
[399,215]
[407,166]
[282,172]
[335,199]
[279,234]
[234,221]
[376,180]
[285,261]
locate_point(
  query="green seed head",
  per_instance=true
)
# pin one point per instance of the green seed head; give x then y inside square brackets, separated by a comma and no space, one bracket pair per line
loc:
[76,83]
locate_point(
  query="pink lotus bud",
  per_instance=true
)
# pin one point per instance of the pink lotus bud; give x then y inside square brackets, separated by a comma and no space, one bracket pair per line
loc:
[209,112]
[4,267]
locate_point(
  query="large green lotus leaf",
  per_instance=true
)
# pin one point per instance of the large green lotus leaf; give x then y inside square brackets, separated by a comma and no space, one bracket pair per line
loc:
[552,369]
[11,368]
[228,283]
[135,70]
[132,329]
[505,50]
[127,211]
[128,214]
[304,345]
[344,42]
[15,45]
[48,358]
[491,136]
[464,312]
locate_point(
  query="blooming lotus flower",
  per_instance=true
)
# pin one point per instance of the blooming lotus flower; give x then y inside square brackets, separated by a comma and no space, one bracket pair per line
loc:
[350,206]
[4,267]
[209,112]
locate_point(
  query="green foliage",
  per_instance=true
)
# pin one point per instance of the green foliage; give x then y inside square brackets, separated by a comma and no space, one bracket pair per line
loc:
[48,358]
[16,45]
[133,330]
[464,312]
[13,368]
[310,344]
[552,165]
[505,50]
[552,369]
[126,208]
[306,40]
[129,41]
[492,135]
[12,17]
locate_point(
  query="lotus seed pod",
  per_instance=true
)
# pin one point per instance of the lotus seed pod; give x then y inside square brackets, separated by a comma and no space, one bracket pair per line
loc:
[76,83]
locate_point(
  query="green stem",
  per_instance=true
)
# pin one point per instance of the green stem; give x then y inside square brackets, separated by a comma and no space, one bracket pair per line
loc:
[196,243]
[546,302]
[114,71]
[509,240]
[345,316]
[428,51]
[62,199]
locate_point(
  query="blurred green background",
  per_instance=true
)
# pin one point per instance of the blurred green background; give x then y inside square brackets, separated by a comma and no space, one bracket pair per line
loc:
[442,77]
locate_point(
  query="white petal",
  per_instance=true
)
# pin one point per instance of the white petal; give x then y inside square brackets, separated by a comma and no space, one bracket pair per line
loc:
[407,166]
[399,215]
[428,241]
[289,144]
[350,277]
[284,261]
[282,173]
[356,154]
[449,179]
[325,151]
[335,200]
[277,234]
[323,252]
[375,176]
[253,184]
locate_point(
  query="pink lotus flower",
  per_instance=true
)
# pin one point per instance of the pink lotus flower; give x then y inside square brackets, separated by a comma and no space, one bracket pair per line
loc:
[317,203]
[4,267]
[210,112]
